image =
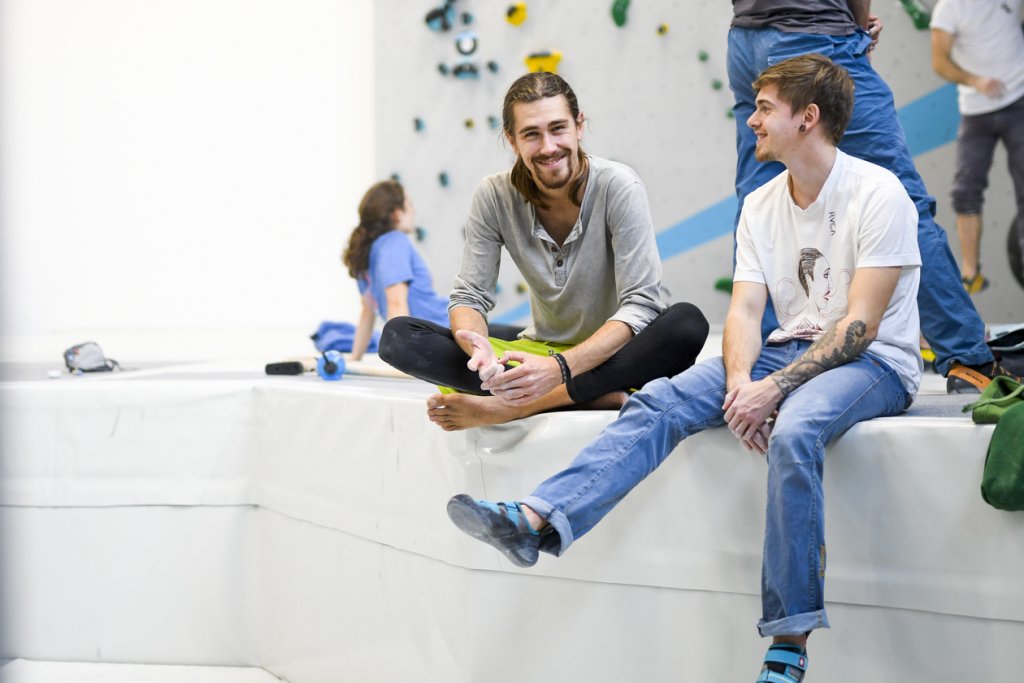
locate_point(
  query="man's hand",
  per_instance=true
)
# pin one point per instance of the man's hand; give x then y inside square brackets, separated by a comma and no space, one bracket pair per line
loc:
[482,360]
[747,409]
[874,29]
[526,382]
[989,87]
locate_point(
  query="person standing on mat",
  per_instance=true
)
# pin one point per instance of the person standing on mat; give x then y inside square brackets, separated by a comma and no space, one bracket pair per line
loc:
[392,277]
[979,45]
[579,229]
[786,398]
[764,32]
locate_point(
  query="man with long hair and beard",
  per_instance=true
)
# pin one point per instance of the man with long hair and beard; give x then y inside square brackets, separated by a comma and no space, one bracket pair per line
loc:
[579,229]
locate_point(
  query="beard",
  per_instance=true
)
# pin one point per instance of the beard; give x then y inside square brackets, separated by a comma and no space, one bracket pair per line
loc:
[763,154]
[553,180]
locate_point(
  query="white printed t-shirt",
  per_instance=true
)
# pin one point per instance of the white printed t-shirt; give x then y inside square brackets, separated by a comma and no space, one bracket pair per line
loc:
[862,218]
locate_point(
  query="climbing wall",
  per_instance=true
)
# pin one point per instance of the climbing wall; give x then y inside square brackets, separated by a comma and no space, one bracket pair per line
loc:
[651,81]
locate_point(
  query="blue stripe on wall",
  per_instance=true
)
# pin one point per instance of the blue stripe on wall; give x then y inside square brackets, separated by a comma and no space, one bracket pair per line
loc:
[929,122]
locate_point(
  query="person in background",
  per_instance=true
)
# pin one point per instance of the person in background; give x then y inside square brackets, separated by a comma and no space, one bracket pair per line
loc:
[392,277]
[764,32]
[979,45]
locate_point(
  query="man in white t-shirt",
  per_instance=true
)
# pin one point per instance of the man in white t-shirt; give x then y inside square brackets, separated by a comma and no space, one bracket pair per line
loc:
[979,45]
[834,238]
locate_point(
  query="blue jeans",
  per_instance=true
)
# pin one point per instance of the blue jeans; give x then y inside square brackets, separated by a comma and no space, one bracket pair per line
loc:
[666,411]
[949,320]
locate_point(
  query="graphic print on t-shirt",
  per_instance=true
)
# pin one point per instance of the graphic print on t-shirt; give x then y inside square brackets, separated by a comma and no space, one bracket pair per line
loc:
[815,299]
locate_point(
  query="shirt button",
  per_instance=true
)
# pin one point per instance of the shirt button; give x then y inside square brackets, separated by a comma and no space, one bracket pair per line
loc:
[554,249]
[558,262]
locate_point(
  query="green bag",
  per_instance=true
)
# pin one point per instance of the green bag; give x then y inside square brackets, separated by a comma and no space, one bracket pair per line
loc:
[998,397]
[1002,482]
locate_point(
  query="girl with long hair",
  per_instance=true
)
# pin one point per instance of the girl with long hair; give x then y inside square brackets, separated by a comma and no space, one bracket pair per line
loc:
[392,277]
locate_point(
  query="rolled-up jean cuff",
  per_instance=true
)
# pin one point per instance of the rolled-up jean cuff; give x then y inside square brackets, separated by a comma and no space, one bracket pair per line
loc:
[557,519]
[796,625]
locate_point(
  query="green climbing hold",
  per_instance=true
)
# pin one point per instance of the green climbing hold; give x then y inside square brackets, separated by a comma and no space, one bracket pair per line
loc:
[724,284]
[918,13]
[729,114]
[703,55]
[716,84]
[619,8]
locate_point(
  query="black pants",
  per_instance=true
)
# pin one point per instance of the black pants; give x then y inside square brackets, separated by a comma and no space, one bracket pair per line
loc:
[664,348]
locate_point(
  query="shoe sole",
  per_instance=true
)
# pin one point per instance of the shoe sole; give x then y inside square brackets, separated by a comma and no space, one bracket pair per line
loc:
[964,380]
[480,524]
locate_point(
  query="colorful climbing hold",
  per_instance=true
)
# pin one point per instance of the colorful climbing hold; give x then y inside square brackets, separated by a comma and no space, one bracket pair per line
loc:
[516,13]
[521,288]
[417,124]
[466,43]
[441,18]
[492,66]
[442,178]
[920,15]
[662,29]
[729,113]
[716,84]
[469,123]
[619,11]
[543,61]
[421,234]
[493,122]
[443,68]
[467,18]
[465,70]
[397,178]
[724,284]
[702,55]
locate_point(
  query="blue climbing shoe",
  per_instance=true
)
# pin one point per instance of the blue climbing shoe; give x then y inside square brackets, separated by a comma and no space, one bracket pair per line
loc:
[784,663]
[502,525]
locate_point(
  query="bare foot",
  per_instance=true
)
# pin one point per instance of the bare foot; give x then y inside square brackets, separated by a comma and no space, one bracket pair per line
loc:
[452,412]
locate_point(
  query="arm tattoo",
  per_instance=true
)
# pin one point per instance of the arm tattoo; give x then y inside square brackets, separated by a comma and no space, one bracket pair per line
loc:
[828,352]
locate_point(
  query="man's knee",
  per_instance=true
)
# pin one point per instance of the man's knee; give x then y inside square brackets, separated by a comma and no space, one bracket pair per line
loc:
[689,322]
[395,336]
[792,444]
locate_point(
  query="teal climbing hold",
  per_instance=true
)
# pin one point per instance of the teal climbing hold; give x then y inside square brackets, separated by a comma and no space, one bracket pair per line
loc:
[619,10]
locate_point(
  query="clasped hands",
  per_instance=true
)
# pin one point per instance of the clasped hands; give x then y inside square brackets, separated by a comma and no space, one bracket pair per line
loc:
[749,408]
[531,378]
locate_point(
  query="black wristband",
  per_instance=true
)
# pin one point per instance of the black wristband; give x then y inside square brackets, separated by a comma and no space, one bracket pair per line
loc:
[563,366]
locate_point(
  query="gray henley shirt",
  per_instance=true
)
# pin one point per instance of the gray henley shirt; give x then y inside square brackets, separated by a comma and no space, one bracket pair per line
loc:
[607,269]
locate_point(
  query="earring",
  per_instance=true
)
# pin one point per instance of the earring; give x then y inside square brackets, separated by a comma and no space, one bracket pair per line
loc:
[803,128]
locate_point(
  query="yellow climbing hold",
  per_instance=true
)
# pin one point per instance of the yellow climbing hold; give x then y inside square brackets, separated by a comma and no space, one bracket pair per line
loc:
[516,13]
[544,61]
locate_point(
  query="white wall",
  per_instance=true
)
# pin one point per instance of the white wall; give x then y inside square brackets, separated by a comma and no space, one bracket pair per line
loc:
[178,176]
[651,104]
